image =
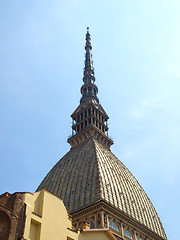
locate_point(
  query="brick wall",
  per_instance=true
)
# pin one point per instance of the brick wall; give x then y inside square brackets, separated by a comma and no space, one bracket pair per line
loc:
[12,216]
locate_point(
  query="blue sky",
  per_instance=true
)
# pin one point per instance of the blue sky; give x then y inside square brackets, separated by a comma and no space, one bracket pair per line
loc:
[136,54]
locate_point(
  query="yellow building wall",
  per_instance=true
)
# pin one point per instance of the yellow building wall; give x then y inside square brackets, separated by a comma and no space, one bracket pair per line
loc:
[46,218]
[94,236]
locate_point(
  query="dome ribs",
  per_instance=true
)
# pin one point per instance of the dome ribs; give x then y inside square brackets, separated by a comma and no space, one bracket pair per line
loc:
[90,173]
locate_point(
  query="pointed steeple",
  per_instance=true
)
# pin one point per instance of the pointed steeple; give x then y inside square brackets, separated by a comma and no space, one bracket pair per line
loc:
[88,48]
[89,119]
[89,90]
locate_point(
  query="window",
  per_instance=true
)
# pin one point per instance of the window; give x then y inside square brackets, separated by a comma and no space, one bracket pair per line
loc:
[127,234]
[91,225]
[90,90]
[85,91]
[89,111]
[114,226]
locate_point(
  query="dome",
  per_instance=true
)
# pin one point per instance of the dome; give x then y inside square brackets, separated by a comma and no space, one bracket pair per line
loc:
[90,173]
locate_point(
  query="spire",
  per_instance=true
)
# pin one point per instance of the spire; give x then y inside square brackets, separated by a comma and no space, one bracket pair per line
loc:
[89,90]
[89,119]
[88,48]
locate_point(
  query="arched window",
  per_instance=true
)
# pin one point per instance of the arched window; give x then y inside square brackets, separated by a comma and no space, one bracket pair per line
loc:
[114,226]
[127,234]
[5,224]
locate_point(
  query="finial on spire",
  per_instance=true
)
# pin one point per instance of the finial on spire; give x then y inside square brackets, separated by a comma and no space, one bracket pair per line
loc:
[88,40]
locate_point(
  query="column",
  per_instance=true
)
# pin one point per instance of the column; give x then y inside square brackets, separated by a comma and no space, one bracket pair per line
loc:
[107,219]
[95,220]
[102,219]
[121,230]
[77,225]
[134,235]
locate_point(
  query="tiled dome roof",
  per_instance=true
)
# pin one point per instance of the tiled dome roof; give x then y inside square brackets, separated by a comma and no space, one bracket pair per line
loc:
[90,172]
